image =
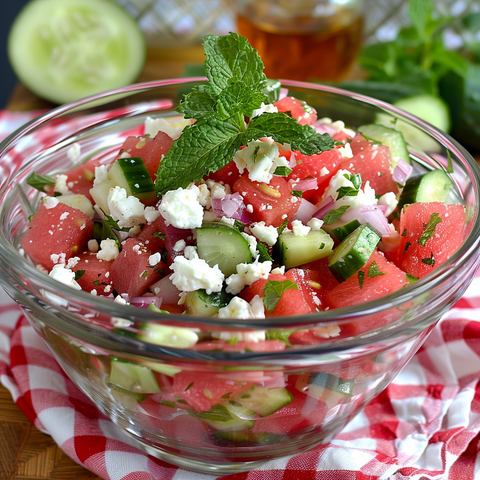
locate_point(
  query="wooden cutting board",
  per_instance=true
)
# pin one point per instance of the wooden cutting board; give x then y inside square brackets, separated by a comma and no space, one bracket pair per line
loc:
[25,452]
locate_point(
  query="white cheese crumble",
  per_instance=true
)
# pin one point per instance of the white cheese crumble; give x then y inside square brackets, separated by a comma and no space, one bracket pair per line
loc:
[239,308]
[64,275]
[61,184]
[389,199]
[181,208]
[151,214]
[190,274]
[74,152]
[108,250]
[50,202]
[179,245]
[101,175]
[252,243]
[172,129]
[269,108]
[128,211]
[265,233]
[315,223]
[247,273]
[363,198]
[299,229]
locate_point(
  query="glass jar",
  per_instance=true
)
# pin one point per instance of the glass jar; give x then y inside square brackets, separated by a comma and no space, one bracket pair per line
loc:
[303,39]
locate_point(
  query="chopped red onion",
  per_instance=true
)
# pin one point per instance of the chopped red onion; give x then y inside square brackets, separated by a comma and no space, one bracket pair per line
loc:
[304,185]
[146,300]
[375,217]
[293,161]
[305,211]
[324,207]
[325,128]
[166,290]
[231,206]
[283,93]
[402,172]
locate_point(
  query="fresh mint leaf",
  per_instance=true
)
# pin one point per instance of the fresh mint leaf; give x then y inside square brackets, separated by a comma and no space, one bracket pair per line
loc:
[199,103]
[217,413]
[232,58]
[284,129]
[361,278]
[39,182]
[334,214]
[238,98]
[273,290]
[203,147]
[420,12]
[374,271]
[347,192]
[429,230]
[283,171]
[281,334]
[263,253]
[79,274]
[429,261]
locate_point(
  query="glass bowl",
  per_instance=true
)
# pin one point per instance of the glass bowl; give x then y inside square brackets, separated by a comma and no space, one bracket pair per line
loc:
[161,394]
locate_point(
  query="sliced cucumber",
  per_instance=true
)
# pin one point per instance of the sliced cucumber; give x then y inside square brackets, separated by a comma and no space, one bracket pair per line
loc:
[132,377]
[100,193]
[390,137]
[264,401]
[430,108]
[223,246]
[434,186]
[69,49]
[326,387]
[340,230]
[230,417]
[166,336]
[132,175]
[78,201]
[353,253]
[200,304]
[294,250]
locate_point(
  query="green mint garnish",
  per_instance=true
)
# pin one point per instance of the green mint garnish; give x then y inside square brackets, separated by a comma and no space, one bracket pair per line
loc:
[217,413]
[283,171]
[240,226]
[429,230]
[159,235]
[236,80]
[79,274]
[40,181]
[297,193]
[347,192]
[361,277]
[282,227]
[429,261]
[167,403]
[406,247]
[273,290]
[374,271]
[263,253]
[189,386]
[281,334]
[404,233]
[334,214]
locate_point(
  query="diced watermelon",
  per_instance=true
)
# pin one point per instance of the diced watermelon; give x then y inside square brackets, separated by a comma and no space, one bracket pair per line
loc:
[272,203]
[227,175]
[93,274]
[201,391]
[150,150]
[419,260]
[304,114]
[292,301]
[359,289]
[131,272]
[56,233]
[372,162]
[322,167]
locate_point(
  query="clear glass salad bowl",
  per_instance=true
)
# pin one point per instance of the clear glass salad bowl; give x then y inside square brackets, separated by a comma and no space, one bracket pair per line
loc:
[304,394]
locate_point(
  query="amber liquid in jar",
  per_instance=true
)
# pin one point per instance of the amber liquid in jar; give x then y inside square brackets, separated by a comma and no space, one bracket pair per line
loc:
[299,46]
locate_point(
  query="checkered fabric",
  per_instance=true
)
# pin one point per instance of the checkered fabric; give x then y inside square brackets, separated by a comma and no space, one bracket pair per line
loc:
[425,425]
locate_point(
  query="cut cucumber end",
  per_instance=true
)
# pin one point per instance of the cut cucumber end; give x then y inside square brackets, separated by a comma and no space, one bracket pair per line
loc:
[64,51]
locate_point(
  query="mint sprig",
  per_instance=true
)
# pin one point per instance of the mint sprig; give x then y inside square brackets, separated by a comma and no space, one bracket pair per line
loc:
[236,80]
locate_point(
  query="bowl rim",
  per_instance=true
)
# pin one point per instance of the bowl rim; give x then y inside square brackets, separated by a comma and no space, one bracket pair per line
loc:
[469,248]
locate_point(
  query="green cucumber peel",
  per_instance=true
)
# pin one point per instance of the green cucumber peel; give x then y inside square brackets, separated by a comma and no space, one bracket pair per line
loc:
[236,83]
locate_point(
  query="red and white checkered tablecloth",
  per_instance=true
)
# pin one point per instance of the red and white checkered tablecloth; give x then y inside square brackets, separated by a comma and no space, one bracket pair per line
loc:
[425,425]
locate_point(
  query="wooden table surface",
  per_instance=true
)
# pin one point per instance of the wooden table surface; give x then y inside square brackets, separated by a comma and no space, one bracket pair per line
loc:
[25,452]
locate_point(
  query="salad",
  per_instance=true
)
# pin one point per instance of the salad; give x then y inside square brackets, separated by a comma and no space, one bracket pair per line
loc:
[247,205]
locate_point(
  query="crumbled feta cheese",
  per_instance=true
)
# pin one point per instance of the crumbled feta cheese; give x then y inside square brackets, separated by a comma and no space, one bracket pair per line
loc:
[250,208]
[128,211]
[209,217]
[151,214]
[389,199]
[154,259]
[179,245]
[244,336]
[363,198]
[269,108]
[61,184]
[190,253]
[50,202]
[228,221]
[239,308]
[299,229]
[203,195]
[278,270]
[101,175]
[108,250]
[346,151]
[64,275]
[265,233]
[247,273]
[172,129]
[260,159]
[324,171]
[252,243]
[195,274]
[315,223]
[327,331]
[181,208]
[74,152]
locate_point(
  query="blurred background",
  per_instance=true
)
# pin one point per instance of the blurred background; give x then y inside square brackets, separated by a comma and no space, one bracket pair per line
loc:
[390,49]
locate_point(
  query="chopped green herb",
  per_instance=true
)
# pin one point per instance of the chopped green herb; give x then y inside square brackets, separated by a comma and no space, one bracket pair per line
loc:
[217,413]
[449,164]
[322,246]
[239,225]
[374,271]
[144,274]
[281,334]
[159,235]
[429,230]
[335,214]
[429,261]
[273,290]
[263,252]
[226,395]
[79,274]
[96,283]
[282,227]
[347,192]
[406,247]
[189,387]
[404,233]
[167,403]
[40,181]
[297,193]
[232,341]
[361,278]
[283,171]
